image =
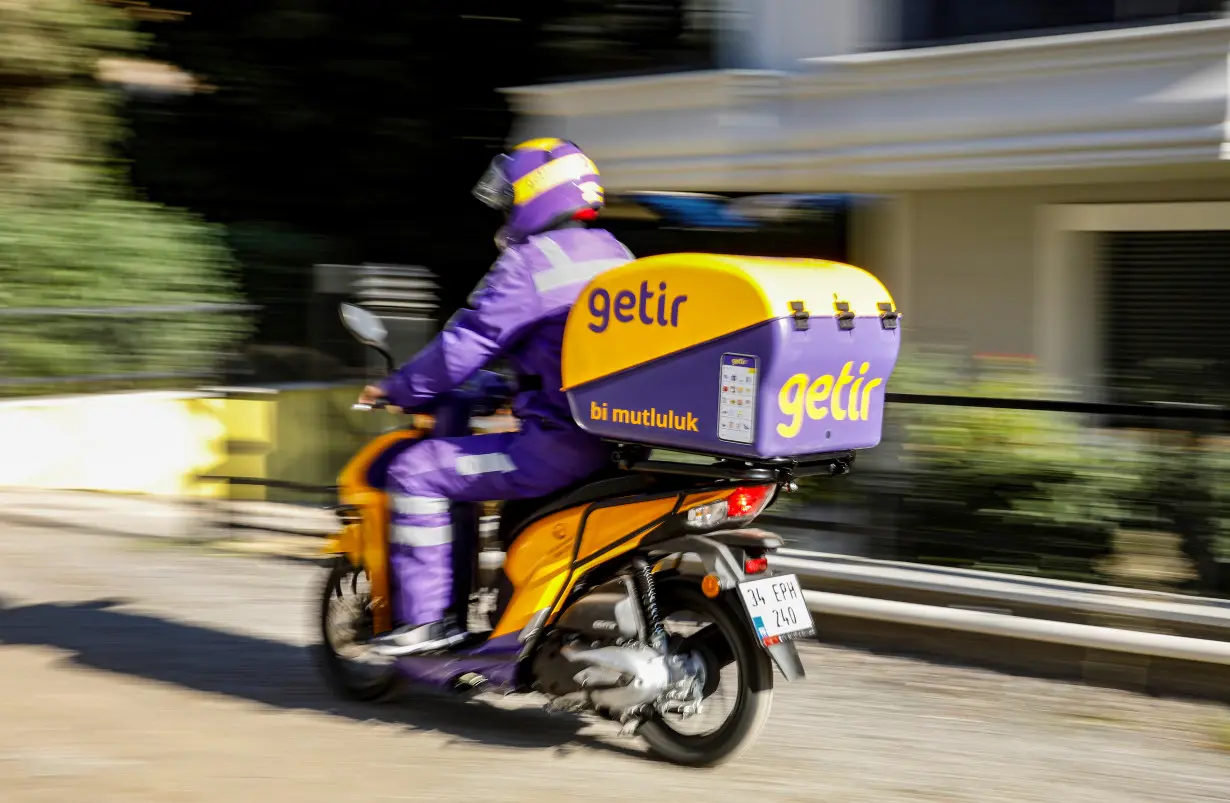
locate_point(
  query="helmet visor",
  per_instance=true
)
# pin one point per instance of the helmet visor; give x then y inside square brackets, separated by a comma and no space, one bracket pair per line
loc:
[494,189]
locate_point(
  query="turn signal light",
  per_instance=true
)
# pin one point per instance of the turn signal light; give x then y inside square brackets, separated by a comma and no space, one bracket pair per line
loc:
[707,517]
[711,586]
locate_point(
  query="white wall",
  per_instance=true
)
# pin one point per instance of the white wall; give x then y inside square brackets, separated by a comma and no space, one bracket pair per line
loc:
[974,268]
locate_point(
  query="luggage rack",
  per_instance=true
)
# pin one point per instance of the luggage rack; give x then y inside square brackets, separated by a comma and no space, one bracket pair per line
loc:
[781,470]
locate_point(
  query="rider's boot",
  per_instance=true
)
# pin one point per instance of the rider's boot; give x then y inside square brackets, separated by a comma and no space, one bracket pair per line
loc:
[417,639]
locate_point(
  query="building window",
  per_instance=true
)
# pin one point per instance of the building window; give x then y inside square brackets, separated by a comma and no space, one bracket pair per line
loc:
[935,22]
[1162,291]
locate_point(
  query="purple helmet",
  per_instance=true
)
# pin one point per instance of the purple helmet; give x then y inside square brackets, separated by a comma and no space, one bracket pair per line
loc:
[540,184]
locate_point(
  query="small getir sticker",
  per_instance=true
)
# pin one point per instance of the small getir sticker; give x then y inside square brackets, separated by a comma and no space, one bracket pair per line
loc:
[737,398]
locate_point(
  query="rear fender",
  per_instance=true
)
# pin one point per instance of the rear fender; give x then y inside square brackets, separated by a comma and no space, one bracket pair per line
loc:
[784,654]
[722,553]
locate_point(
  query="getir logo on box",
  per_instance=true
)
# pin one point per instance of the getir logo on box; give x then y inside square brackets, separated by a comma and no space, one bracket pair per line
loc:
[631,316]
[846,396]
[645,307]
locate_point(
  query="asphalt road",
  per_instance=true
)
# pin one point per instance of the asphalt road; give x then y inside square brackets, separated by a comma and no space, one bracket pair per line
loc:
[138,670]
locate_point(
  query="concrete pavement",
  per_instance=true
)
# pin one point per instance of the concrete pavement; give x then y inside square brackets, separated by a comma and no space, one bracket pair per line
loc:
[136,671]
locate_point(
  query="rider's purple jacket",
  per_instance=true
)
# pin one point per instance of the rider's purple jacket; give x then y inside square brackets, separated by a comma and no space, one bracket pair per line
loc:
[517,312]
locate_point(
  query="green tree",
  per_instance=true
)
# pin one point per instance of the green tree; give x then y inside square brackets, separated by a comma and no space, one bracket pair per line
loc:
[73,232]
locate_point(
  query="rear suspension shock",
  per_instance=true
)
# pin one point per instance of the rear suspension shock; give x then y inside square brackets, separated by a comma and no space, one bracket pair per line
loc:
[643,577]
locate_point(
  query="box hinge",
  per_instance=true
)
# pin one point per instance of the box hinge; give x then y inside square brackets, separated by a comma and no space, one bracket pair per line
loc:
[800,315]
[888,315]
[845,318]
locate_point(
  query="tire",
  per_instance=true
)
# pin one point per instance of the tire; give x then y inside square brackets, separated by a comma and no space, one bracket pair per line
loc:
[341,675]
[755,694]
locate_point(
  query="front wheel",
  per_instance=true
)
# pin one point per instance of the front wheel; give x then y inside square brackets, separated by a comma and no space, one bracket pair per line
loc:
[682,606]
[345,624]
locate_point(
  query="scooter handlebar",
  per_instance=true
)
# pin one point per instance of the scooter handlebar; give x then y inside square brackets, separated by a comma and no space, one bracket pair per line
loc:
[485,393]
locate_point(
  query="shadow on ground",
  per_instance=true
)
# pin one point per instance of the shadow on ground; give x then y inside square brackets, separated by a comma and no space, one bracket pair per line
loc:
[104,636]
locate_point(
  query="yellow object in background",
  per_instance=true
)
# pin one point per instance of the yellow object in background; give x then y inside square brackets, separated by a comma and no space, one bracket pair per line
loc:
[151,443]
[158,443]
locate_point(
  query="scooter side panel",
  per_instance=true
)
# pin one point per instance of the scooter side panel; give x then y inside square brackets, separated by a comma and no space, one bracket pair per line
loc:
[619,548]
[605,527]
[538,565]
[611,532]
[696,500]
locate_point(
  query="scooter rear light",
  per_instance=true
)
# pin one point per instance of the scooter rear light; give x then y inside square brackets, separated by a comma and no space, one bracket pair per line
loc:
[707,516]
[755,565]
[742,504]
[748,502]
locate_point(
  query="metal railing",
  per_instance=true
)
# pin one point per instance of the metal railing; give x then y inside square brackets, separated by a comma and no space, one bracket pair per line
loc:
[1103,487]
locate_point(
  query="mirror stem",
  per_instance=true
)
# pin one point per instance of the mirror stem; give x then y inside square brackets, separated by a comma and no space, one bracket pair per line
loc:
[390,366]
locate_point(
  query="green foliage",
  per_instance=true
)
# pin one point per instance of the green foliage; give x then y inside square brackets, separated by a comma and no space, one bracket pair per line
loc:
[1022,489]
[1185,484]
[104,253]
[1001,489]
[72,232]
[56,123]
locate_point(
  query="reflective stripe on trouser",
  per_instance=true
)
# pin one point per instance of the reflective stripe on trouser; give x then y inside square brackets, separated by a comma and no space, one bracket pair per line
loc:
[421,540]
[505,465]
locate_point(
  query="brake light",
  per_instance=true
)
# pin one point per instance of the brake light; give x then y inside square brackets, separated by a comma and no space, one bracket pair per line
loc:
[746,502]
[755,565]
[742,504]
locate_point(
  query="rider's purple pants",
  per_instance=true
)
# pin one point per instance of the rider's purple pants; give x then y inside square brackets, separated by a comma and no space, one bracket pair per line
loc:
[423,479]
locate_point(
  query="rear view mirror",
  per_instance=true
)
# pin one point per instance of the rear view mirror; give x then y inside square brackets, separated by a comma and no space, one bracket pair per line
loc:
[366,327]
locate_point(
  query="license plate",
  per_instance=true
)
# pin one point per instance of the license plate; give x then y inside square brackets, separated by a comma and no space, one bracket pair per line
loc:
[776,607]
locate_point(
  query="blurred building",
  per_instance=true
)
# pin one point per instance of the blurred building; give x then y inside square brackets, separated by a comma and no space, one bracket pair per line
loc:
[1041,178]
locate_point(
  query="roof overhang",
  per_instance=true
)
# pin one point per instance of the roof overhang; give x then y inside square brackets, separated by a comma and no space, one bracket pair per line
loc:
[1076,107]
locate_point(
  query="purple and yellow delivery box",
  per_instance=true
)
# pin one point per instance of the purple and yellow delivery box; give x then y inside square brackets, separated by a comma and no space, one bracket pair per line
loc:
[740,356]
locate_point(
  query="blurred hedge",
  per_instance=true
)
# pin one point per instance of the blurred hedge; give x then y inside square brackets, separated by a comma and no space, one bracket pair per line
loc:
[1030,492]
[1026,491]
[73,232]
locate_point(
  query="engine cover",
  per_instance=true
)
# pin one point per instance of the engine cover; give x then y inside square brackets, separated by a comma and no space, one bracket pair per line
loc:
[610,611]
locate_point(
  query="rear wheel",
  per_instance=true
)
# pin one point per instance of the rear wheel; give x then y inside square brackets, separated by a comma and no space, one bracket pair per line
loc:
[345,625]
[683,607]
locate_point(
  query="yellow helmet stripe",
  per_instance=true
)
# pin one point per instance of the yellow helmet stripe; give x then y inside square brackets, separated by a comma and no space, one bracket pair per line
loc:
[541,144]
[572,167]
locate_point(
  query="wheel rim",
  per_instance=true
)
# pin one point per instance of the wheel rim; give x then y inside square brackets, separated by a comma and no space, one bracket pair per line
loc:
[726,698]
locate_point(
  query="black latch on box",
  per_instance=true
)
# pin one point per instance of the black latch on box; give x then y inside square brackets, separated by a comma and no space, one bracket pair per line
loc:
[800,315]
[888,316]
[845,318]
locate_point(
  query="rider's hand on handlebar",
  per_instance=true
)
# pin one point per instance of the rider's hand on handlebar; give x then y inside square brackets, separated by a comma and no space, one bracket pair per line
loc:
[374,397]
